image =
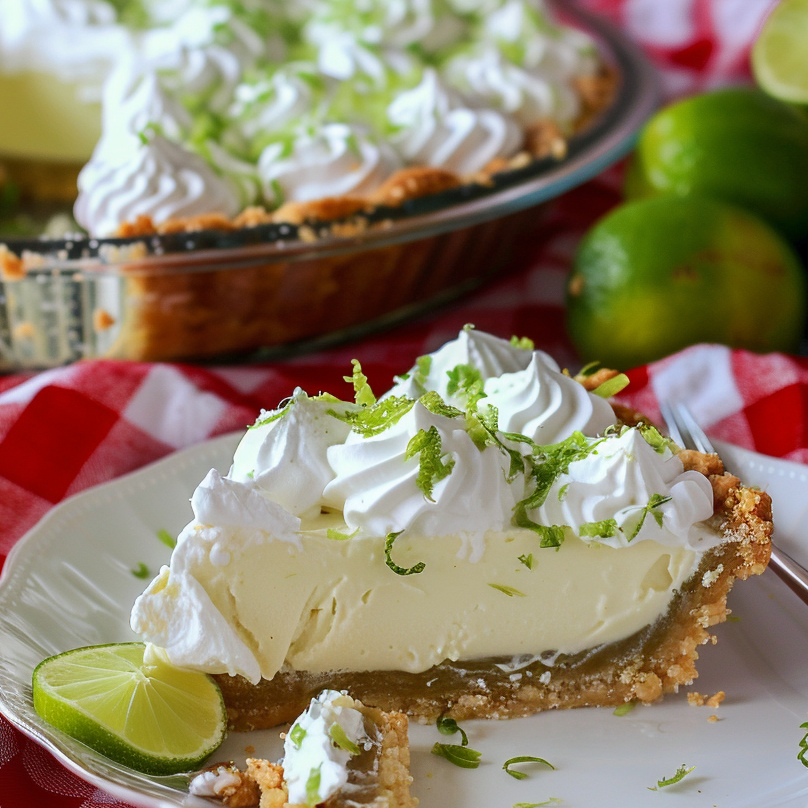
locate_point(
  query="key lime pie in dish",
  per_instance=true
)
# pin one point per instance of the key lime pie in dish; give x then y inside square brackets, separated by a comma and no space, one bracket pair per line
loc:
[490,538]
[199,112]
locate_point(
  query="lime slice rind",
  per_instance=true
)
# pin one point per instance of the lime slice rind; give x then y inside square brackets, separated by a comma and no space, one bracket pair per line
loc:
[156,719]
[780,53]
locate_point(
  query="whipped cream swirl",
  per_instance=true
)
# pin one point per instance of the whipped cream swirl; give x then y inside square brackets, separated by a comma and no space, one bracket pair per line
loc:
[435,127]
[529,96]
[628,492]
[528,390]
[376,486]
[338,160]
[155,178]
[285,456]
[486,353]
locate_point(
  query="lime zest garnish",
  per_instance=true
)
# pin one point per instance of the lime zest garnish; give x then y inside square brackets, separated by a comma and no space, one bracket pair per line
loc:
[297,735]
[562,492]
[550,535]
[523,759]
[548,463]
[467,381]
[388,547]
[437,406]
[277,189]
[363,395]
[342,741]
[523,342]
[461,756]
[508,590]
[423,364]
[599,530]
[336,535]
[548,801]
[313,787]
[681,773]
[141,571]
[801,755]
[625,708]
[527,560]
[589,369]
[655,439]
[431,465]
[611,387]
[654,502]
[378,417]
[166,538]
[448,726]
[279,413]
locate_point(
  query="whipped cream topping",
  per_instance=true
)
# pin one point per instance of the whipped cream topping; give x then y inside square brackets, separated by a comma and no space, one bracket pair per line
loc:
[625,491]
[531,395]
[435,127]
[315,766]
[214,783]
[275,103]
[490,355]
[334,161]
[529,96]
[163,181]
[376,486]
[286,457]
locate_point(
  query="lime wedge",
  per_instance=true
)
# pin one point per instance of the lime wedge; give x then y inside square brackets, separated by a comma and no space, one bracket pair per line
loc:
[780,54]
[150,716]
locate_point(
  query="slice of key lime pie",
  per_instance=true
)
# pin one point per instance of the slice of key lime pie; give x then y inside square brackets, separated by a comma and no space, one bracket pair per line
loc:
[487,539]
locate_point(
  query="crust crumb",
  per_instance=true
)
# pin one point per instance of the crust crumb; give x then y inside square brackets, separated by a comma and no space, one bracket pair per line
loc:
[11,265]
[193,224]
[713,719]
[102,320]
[413,183]
[252,217]
[142,226]
[268,777]
[545,139]
[596,379]
[322,210]
[696,699]
[25,330]
[648,687]
[706,464]
[241,792]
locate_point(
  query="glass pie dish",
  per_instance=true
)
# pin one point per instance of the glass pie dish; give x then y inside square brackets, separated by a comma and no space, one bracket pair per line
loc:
[278,288]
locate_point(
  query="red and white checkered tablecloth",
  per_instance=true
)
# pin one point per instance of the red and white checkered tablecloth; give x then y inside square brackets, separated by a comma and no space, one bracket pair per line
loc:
[66,429]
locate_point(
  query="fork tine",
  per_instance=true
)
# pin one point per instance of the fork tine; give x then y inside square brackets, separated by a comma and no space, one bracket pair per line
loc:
[697,434]
[670,420]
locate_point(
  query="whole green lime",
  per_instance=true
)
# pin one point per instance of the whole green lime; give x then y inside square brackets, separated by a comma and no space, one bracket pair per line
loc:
[736,144]
[656,275]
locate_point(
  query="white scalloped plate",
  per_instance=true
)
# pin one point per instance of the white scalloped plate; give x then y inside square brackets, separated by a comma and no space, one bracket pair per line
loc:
[69,582]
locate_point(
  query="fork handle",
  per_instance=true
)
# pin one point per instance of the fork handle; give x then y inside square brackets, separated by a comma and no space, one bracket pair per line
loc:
[793,574]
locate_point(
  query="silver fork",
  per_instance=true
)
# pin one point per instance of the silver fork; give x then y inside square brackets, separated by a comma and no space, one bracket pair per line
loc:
[684,429]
